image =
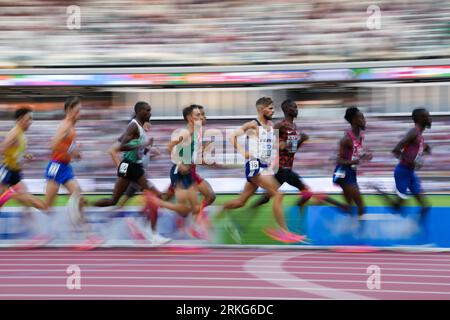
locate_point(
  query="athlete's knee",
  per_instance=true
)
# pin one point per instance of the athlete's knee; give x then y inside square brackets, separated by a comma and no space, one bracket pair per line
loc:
[210,198]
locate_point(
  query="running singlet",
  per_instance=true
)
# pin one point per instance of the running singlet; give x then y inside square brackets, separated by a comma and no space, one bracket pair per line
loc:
[62,151]
[14,154]
[355,152]
[412,152]
[292,138]
[261,148]
[136,155]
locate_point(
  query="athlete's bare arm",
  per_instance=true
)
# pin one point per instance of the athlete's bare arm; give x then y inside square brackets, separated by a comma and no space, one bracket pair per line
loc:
[409,138]
[114,152]
[183,139]
[10,140]
[248,128]
[131,133]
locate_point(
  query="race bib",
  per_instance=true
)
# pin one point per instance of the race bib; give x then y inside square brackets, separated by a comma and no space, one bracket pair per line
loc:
[292,141]
[123,168]
[254,165]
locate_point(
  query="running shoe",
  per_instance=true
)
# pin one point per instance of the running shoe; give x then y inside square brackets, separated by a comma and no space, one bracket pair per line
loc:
[92,241]
[233,229]
[5,196]
[135,232]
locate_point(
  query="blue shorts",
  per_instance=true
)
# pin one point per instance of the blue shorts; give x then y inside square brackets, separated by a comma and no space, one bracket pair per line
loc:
[10,177]
[185,180]
[406,178]
[59,172]
[254,168]
[344,175]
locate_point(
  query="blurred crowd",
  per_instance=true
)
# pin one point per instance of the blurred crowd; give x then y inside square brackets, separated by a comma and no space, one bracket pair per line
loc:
[181,32]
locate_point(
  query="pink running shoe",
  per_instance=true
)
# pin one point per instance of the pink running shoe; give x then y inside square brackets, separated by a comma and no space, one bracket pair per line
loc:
[6,196]
[36,241]
[135,232]
[91,242]
[197,233]
[284,236]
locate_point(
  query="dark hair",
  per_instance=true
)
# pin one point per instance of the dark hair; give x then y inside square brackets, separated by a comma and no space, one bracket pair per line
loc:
[188,110]
[139,106]
[288,103]
[350,113]
[71,102]
[264,101]
[19,113]
[417,113]
[197,106]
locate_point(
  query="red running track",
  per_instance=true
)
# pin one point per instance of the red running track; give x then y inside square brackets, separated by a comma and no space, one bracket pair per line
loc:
[166,273]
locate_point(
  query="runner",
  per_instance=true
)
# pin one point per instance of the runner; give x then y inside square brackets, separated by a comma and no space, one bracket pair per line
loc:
[257,167]
[133,144]
[291,139]
[59,170]
[410,150]
[350,155]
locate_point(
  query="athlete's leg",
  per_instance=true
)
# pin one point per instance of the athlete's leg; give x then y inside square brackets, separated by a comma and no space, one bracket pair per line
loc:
[26,198]
[119,188]
[74,189]
[269,183]
[352,194]
[181,209]
[207,191]
[249,190]
[51,191]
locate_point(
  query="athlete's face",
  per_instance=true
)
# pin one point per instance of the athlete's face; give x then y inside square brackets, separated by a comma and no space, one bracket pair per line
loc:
[268,111]
[360,121]
[203,116]
[292,111]
[26,121]
[427,121]
[75,112]
[196,116]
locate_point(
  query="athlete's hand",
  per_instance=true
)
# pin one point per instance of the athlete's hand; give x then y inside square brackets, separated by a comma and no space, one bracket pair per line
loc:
[150,142]
[367,156]
[76,154]
[28,156]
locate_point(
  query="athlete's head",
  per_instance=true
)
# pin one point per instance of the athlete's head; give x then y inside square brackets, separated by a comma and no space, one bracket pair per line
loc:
[290,108]
[422,117]
[355,117]
[143,111]
[192,114]
[24,117]
[265,107]
[202,114]
[72,108]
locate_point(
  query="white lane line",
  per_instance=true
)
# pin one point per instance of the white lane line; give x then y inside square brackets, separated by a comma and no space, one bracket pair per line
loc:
[134,296]
[263,260]
[290,281]
[214,266]
[274,280]
[362,273]
[194,255]
[220,252]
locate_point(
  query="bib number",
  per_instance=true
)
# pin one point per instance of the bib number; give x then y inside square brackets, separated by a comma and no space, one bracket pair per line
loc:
[123,168]
[339,174]
[53,170]
[254,165]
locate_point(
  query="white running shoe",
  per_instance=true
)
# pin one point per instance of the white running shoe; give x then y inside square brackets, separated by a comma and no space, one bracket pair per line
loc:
[73,207]
[159,239]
